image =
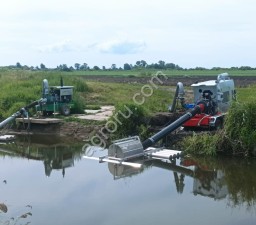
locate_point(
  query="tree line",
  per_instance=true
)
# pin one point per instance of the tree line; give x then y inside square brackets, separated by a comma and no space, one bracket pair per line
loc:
[140,64]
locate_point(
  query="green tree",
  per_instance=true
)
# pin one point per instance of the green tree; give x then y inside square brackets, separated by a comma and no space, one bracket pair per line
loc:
[161,64]
[113,67]
[42,66]
[18,65]
[137,63]
[127,66]
[77,66]
[84,66]
[96,68]
[143,63]
[170,66]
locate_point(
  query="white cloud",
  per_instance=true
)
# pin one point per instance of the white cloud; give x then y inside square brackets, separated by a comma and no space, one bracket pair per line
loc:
[121,46]
[31,31]
[60,47]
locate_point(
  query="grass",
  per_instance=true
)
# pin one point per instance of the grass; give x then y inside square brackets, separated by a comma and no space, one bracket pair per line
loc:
[140,72]
[20,87]
[116,93]
[150,72]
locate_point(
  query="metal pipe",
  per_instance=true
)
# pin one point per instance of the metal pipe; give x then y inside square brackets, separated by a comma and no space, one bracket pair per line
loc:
[9,119]
[178,93]
[22,111]
[173,126]
[119,162]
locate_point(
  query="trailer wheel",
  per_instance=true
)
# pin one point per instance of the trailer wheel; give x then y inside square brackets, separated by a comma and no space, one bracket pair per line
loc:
[65,110]
[47,113]
[218,124]
[44,113]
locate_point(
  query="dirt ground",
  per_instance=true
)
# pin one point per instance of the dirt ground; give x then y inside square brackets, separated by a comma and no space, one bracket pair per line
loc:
[240,81]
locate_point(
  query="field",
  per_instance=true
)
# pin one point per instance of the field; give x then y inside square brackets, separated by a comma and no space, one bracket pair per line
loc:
[146,72]
[140,72]
[20,87]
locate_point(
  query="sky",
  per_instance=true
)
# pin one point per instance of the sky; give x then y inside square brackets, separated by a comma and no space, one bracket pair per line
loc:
[190,33]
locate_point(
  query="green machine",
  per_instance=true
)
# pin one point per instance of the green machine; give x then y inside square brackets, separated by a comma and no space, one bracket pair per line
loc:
[58,99]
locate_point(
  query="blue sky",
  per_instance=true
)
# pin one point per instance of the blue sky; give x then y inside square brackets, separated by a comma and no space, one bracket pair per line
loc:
[185,32]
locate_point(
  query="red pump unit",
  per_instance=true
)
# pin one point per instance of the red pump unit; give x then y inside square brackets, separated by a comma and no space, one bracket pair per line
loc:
[216,97]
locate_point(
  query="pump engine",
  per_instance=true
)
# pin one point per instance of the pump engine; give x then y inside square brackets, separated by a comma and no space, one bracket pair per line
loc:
[216,97]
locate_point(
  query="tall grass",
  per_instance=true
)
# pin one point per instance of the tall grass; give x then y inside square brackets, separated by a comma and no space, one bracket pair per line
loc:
[129,120]
[238,136]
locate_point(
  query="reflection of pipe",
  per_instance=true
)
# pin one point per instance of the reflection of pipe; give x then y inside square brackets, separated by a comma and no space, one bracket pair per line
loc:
[173,167]
[179,181]
[173,126]
[136,165]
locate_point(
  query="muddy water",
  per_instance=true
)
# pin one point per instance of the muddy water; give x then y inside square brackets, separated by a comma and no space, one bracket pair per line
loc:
[49,182]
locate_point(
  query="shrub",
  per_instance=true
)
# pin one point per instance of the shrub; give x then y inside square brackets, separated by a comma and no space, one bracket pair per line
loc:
[240,128]
[79,103]
[130,120]
[201,144]
[80,85]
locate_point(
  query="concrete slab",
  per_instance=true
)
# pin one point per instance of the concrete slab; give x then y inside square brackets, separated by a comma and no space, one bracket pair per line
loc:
[104,113]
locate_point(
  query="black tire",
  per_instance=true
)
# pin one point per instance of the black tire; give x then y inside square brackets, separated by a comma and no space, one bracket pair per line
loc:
[218,124]
[65,110]
[47,113]
[44,113]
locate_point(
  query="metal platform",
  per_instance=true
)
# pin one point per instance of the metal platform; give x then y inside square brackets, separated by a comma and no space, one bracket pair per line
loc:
[150,153]
[39,121]
[156,153]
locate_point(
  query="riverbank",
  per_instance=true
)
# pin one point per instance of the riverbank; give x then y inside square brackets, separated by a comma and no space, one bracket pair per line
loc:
[114,91]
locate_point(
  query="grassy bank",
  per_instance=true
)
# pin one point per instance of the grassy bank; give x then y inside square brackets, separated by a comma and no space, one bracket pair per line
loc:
[238,136]
[19,88]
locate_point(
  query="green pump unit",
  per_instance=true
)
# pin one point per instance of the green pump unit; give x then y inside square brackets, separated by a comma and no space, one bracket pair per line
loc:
[59,99]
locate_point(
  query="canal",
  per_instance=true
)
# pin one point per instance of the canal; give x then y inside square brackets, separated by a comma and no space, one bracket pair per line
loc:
[49,182]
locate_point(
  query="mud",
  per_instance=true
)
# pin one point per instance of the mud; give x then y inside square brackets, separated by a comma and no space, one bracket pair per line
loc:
[72,130]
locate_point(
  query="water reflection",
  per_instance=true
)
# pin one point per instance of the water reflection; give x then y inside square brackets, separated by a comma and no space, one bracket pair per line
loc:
[55,153]
[215,178]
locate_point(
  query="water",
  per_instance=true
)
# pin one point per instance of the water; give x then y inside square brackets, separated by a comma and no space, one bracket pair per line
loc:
[50,183]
